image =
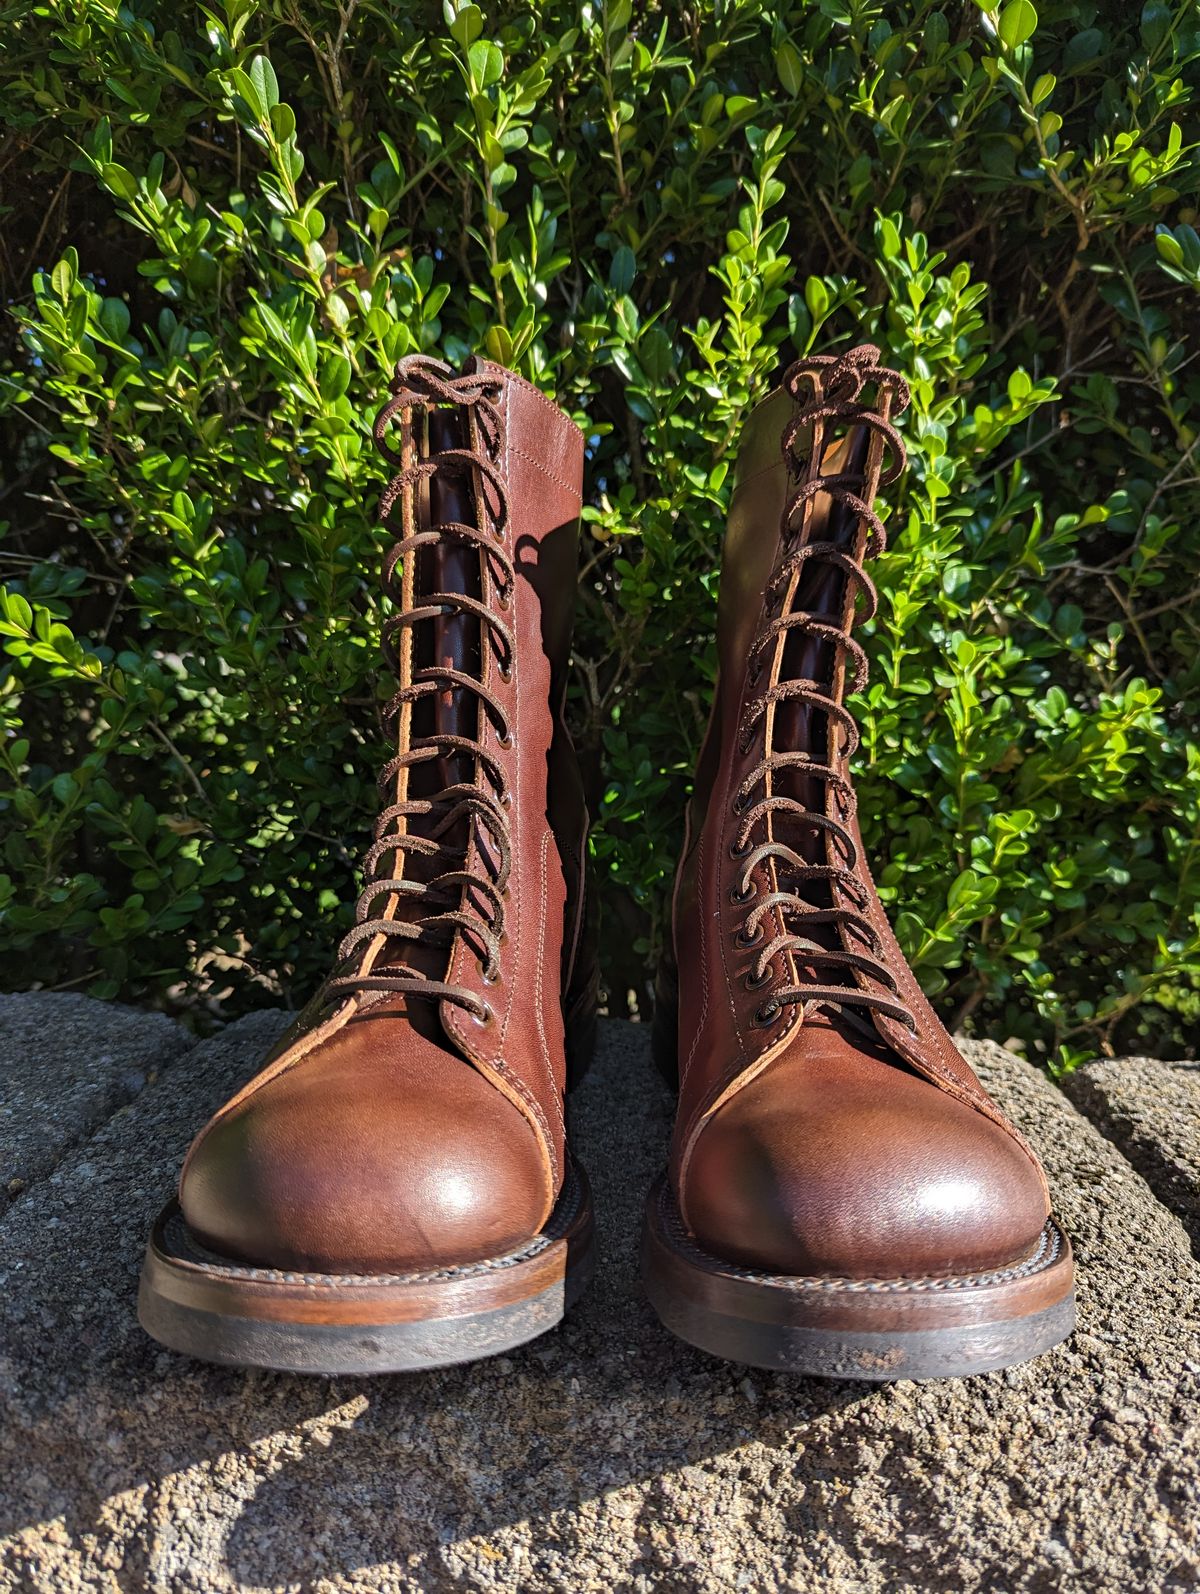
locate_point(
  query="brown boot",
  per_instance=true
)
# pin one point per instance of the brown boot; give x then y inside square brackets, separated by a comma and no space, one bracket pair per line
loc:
[843,1197]
[395,1188]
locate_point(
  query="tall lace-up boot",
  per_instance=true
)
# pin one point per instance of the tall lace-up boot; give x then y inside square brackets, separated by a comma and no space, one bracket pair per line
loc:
[395,1189]
[843,1198]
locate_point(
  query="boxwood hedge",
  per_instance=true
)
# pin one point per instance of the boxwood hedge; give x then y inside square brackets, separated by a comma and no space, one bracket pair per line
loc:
[223,223]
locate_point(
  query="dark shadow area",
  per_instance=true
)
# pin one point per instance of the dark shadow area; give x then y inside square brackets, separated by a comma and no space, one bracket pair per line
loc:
[1134,1135]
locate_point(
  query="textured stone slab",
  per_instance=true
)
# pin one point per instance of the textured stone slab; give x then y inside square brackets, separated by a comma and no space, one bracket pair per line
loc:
[605,1456]
[1151,1109]
[66,1064]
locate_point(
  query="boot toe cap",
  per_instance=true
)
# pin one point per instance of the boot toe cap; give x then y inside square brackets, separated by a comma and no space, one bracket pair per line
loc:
[397,1163]
[845,1179]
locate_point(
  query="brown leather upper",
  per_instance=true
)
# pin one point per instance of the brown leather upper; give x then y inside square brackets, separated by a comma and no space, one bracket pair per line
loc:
[826,1121]
[413,1115]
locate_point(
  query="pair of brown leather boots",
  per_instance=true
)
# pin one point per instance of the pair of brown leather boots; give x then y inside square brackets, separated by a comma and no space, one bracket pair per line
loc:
[396,1188]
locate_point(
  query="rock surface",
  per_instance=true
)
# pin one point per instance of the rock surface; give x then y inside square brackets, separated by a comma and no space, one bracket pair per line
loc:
[67,1063]
[1151,1109]
[606,1455]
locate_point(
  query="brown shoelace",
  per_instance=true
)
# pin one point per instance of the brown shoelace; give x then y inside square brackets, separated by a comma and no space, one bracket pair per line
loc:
[836,386]
[445,904]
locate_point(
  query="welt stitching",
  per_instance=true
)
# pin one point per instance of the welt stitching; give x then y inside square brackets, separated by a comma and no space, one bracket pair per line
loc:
[198,1256]
[1044,1255]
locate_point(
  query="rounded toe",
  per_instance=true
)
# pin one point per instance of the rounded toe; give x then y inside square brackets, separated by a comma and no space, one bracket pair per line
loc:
[828,1174]
[404,1161]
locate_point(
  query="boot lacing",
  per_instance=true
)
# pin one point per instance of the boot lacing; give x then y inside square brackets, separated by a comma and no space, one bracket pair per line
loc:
[836,384]
[455,900]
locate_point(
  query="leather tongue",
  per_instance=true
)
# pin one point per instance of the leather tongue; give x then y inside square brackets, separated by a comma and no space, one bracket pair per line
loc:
[450,640]
[823,590]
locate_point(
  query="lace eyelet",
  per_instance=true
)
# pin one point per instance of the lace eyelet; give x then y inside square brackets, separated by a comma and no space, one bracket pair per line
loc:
[740,898]
[505,673]
[752,984]
[768,1013]
[503,597]
[505,741]
[485,1018]
[743,940]
[741,852]
[740,803]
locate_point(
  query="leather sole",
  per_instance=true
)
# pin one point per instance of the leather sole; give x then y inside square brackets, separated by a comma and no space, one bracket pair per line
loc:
[218,1310]
[878,1329]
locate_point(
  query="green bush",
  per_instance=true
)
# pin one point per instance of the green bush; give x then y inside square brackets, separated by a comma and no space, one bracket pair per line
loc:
[224,223]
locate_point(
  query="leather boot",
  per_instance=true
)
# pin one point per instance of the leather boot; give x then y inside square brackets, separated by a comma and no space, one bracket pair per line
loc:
[394,1189]
[843,1198]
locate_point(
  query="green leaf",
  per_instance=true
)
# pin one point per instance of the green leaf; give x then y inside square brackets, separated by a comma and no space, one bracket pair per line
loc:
[1156,23]
[465,23]
[789,64]
[1018,22]
[119,181]
[335,377]
[62,280]
[1083,50]
[621,272]
[114,318]
[266,84]
[486,61]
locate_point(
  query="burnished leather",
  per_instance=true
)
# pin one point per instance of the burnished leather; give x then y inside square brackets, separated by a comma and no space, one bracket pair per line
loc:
[832,1135]
[413,1115]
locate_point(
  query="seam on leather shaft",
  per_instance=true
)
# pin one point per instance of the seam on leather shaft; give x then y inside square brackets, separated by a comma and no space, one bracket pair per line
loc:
[539,994]
[515,378]
[508,1083]
[531,459]
[748,1065]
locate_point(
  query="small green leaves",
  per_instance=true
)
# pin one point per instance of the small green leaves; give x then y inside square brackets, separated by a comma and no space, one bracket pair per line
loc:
[1179,252]
[651,213]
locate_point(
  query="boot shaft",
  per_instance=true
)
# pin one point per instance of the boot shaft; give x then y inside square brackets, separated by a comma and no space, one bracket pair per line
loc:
[776,923]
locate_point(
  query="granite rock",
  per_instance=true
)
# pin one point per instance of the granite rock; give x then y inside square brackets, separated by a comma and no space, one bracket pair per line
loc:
[66,1064]
[606,1455]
